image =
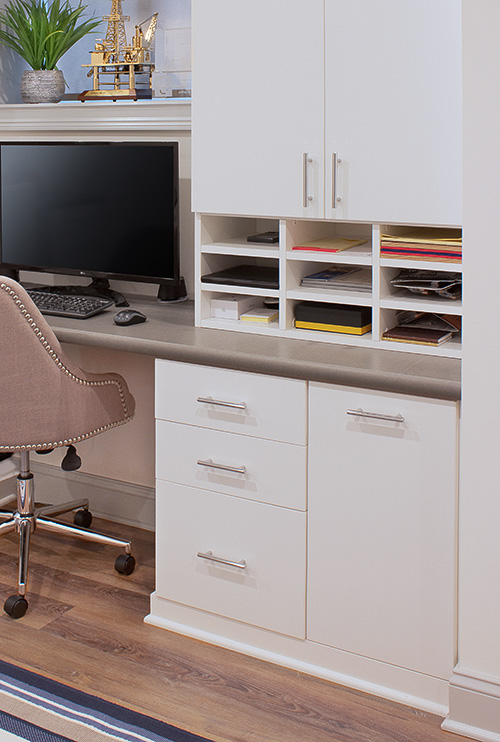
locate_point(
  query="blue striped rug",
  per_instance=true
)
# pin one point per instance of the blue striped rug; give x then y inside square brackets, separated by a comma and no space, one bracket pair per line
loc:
[42,710]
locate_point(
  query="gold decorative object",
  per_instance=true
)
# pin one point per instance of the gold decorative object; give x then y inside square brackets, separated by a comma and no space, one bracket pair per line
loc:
[119,70]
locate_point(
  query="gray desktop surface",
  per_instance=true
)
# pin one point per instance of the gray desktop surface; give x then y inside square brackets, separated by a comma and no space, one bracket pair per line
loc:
[169,332]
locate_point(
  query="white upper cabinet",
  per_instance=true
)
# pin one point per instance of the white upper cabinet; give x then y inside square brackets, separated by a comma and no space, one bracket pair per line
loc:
[258,98]
[336,109]
[393,110]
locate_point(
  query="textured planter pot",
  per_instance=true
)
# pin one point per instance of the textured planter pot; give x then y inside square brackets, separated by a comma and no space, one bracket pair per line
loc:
[42,86]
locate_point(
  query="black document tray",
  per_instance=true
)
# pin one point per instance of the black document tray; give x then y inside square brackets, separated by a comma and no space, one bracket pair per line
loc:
[256,276]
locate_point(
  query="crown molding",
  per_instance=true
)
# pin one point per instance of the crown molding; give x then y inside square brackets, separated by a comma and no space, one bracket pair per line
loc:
[95,116]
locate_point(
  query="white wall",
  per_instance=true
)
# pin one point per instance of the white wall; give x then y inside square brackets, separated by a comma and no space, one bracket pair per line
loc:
[186,217]
[479,610]
[475,684]
[173,14]
[125,453]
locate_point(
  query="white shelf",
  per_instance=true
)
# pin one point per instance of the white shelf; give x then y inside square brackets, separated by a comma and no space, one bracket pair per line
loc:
[220,288]
[159,114]
[426,265]
[415,303]
[241,247]
[451,348]
[257,328]
[324,336]
[361,255]
[329,296]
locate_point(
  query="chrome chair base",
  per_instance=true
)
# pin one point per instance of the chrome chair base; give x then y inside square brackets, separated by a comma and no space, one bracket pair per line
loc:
[27,518]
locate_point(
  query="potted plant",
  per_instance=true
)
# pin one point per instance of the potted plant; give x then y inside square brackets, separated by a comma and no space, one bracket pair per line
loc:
[41,32]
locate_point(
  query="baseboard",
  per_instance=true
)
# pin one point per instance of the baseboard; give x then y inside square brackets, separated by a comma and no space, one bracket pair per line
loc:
[474,706]
[354,671]
[8,469]
[121,502]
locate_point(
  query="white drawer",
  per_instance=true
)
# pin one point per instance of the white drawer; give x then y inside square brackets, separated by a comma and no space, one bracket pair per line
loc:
[264,406]
[269,591]
[239,465]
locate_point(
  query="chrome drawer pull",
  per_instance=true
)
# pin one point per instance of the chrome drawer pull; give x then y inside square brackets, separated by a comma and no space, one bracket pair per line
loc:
[212,558]
[213,465]
[376,416]
[221,403]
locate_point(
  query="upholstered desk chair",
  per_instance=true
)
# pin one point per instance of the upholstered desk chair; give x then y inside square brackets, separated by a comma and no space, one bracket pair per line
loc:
[46,401]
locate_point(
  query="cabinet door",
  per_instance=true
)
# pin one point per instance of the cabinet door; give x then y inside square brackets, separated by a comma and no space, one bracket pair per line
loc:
[382,520]
[257,107]
[393,110]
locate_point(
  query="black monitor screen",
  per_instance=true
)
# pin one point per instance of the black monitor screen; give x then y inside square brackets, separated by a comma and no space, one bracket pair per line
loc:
[94,209]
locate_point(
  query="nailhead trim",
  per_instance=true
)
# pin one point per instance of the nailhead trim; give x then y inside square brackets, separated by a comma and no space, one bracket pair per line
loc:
[85,382]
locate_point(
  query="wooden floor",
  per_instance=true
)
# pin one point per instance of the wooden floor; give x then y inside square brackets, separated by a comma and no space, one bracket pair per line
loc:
[85,627]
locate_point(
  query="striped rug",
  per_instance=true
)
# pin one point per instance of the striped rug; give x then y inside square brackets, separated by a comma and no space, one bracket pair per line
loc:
[36,708]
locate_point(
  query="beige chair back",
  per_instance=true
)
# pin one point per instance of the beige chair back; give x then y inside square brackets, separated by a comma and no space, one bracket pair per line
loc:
[45,399]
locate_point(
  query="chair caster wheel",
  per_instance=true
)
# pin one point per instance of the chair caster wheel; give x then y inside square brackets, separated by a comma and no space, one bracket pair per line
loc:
[125,564]
[16,606]
[83,518]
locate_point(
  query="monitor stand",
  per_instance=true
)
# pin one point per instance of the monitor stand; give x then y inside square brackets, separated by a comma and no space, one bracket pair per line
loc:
[168,293]
[10,273]
[97,287]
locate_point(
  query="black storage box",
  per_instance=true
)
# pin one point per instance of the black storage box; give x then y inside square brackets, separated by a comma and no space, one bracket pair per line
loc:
[344,318]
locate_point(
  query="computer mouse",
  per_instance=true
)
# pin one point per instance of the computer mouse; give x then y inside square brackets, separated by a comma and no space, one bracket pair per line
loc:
[129,317]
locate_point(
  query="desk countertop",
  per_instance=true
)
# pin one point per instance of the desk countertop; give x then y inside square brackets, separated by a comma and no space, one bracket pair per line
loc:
[170,333]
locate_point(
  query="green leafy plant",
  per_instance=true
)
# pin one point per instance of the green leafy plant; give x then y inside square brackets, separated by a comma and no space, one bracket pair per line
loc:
[41,32]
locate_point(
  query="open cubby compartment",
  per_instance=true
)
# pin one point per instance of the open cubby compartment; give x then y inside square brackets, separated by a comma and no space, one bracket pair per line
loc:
[298,231]
[210,263]
[388,318]
[424,264]
[296,270]
[223,323]
[400,298]
[228,235]
[287,317]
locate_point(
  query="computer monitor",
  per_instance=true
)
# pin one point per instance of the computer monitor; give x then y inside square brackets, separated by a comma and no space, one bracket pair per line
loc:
[107,210]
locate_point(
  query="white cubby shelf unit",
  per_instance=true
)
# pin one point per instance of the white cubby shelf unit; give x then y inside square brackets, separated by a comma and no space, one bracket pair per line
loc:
[221,242]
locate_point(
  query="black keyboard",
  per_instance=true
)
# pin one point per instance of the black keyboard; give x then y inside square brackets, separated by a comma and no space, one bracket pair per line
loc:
[68,305]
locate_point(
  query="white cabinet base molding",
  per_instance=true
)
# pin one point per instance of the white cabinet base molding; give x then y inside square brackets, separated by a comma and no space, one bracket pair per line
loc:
[474,706]
[369,676]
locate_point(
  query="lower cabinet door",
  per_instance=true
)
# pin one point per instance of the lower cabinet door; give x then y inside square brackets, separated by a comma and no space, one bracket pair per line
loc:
[382,526]
[236,558]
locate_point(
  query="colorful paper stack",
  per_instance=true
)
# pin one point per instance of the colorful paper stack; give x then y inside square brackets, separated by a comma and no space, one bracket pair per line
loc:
[329,244]
[424,244]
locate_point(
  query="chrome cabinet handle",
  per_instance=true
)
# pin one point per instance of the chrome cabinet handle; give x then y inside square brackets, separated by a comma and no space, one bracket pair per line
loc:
[305,198]
[335,163]
[213,465]
[212,558]
[376,416]
[221,403]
